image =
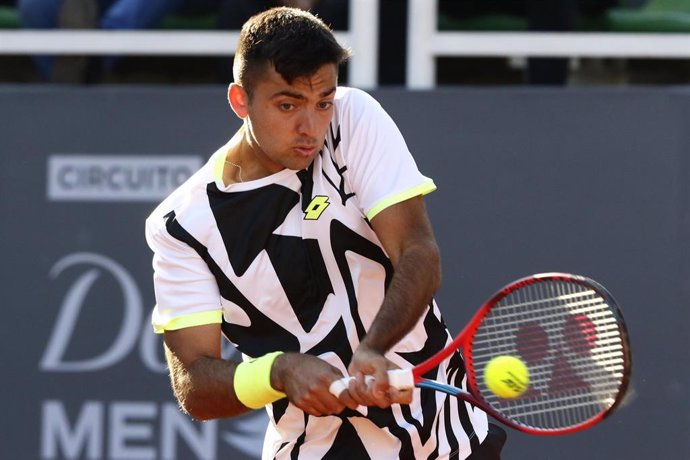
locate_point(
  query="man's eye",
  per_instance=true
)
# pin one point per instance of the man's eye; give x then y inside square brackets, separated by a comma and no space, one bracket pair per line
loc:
[325,105]
[286,106]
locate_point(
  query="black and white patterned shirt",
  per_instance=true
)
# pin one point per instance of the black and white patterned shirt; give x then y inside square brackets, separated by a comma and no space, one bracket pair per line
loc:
[289,262]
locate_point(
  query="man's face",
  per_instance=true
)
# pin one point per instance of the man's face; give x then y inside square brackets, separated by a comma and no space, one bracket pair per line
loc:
[287,123]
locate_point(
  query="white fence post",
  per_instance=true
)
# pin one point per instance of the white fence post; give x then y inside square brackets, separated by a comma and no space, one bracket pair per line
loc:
[363,37]
[422,17]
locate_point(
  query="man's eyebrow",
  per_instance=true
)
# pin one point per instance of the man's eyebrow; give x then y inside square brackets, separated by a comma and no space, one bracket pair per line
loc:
[328,92]
[287,93]
[300,96]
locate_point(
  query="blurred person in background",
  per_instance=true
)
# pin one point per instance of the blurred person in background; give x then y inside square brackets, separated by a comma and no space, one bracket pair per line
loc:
[146,14]
[233,13]
[96,14]
[541,16]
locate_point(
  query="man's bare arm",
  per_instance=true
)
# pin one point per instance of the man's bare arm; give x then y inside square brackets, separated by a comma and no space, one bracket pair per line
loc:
[203,382]
[406,234]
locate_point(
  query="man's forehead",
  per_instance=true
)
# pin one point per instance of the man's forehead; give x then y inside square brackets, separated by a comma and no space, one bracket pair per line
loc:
[322,82]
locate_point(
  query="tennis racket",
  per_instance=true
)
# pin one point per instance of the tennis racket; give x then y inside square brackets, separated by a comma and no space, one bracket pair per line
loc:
[566,329]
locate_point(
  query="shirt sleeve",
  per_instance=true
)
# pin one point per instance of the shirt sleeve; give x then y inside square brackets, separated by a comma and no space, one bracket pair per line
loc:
[186,292]
[382,171]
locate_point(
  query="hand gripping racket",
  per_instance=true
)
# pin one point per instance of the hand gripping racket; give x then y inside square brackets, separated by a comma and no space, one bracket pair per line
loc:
[570,334]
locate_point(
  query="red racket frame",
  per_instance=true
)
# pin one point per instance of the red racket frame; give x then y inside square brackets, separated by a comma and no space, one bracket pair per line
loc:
[463,342]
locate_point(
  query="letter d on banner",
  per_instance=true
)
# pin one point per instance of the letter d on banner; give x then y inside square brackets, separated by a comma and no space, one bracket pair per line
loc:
[73,303]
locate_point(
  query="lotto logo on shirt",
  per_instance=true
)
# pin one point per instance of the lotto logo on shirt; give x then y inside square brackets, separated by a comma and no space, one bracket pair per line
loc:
[316,207]
[117,178]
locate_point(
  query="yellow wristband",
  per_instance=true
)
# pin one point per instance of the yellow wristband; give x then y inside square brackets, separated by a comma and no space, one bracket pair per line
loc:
[253,381]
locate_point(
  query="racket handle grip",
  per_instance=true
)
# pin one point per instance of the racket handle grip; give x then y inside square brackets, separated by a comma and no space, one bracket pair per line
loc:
[338,386]
[402,379]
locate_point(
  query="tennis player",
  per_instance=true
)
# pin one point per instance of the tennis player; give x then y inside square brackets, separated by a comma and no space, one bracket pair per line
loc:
[304,241]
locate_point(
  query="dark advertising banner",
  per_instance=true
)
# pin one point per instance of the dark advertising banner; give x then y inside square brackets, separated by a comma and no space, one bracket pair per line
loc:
[586,181]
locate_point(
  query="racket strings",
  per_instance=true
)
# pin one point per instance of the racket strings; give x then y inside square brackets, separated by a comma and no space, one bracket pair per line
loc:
[569,338]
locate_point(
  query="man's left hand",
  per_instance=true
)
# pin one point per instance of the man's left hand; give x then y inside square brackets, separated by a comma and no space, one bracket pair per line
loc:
[377,392]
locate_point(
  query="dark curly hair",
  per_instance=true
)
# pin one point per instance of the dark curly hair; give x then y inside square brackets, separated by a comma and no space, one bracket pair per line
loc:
[294,41]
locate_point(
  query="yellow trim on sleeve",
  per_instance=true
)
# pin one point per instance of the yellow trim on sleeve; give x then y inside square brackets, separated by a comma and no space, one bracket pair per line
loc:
[426,187]
[194,319]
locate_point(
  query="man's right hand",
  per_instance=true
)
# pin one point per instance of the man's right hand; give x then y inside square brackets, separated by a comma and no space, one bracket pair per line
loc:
[306,379]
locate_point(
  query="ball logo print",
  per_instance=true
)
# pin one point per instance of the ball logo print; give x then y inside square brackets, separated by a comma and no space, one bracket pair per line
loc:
[506,376]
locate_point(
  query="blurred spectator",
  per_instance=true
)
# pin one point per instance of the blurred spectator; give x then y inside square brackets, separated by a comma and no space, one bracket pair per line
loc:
[145,14]
[542,16]
[557,16]
[233,13]
[91,14]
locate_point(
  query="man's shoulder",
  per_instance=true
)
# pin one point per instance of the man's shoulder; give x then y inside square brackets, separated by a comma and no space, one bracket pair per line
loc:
[347,96]
[188,195]
[355,108]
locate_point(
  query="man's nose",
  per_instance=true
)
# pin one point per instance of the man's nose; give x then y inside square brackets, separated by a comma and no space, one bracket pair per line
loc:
[306,123]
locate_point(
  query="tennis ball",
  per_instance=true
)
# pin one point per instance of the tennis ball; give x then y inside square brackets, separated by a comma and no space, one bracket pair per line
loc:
[506,376]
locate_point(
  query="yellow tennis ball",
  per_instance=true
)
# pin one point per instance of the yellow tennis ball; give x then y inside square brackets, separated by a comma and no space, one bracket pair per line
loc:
[506,376]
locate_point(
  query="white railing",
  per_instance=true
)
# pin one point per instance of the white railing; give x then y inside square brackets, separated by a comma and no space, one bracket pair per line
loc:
[425,43]
[362,38]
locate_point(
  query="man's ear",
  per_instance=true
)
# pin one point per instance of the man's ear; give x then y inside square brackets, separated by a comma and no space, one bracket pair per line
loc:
[239,100]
